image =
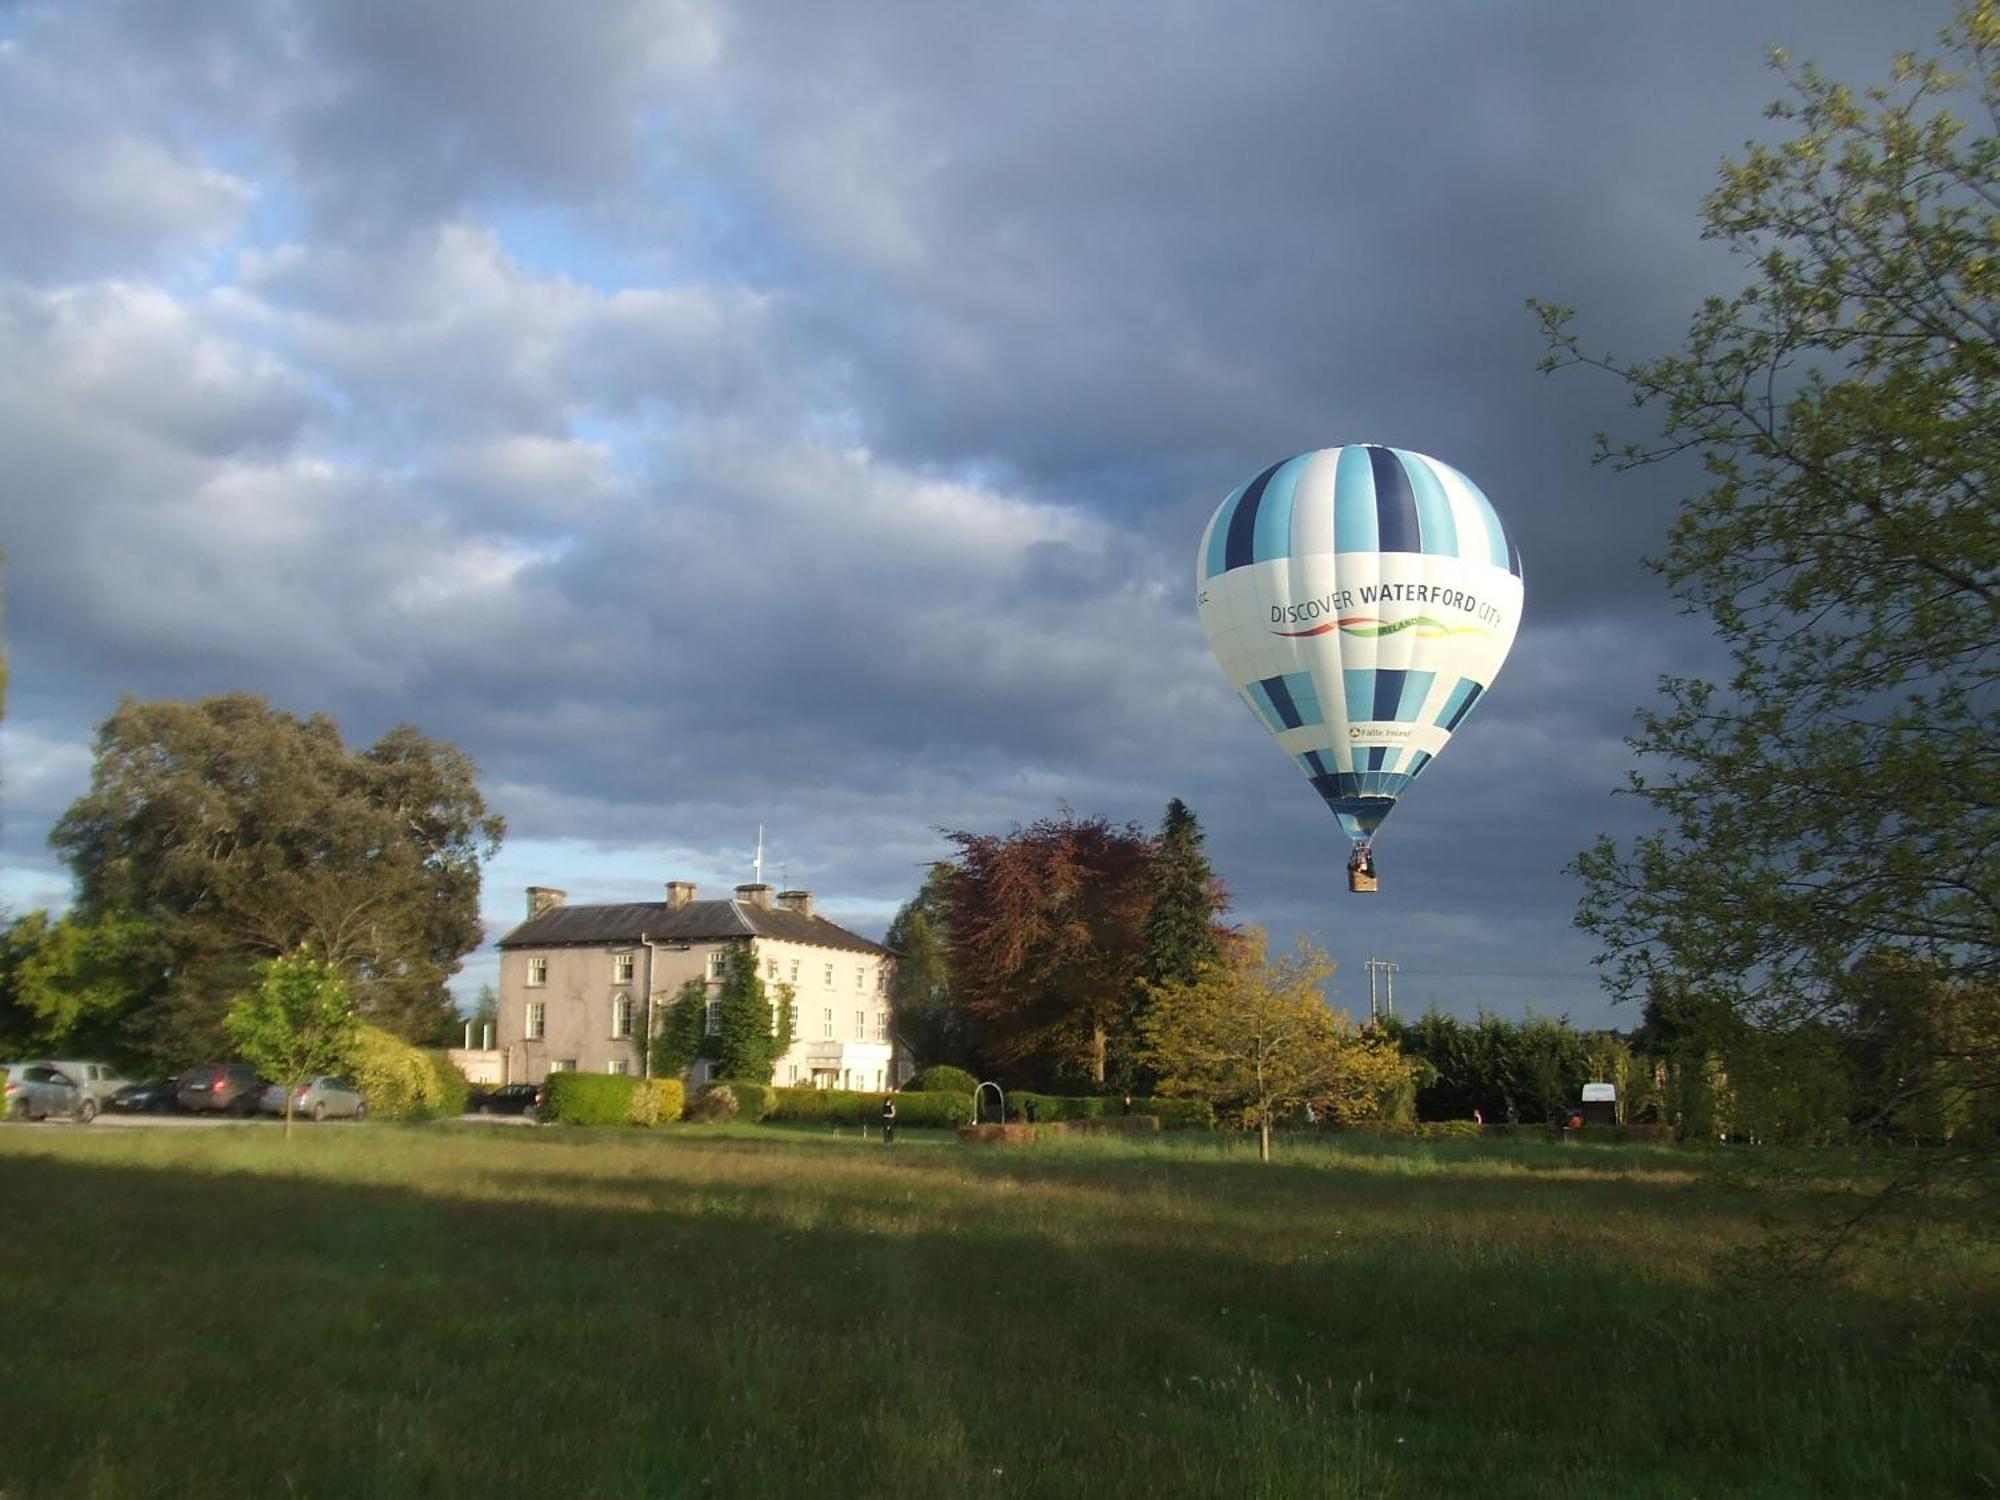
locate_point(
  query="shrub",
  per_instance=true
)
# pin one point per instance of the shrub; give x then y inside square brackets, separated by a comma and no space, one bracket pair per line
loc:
[400,1082]
[450,1090]
[753,1099]
[1178,1114]
[588,1098]
[934,1109]
[851,1107]
[941,1078]
[656,1100]
[715,1102]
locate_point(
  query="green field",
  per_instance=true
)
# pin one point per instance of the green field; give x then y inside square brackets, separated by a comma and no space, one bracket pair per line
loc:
[458,1310]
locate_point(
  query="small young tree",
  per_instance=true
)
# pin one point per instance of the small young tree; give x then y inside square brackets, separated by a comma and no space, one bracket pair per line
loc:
[1255,1038]
[300,1021]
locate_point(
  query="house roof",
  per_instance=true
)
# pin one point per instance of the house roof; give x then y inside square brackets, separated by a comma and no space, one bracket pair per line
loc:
[696,922]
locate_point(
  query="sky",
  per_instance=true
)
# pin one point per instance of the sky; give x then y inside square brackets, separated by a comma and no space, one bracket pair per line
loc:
[806,414]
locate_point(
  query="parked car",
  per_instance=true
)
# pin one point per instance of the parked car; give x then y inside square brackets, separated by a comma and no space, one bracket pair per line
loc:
[213,1088]
[153,1097]
[34,1091]
[508,1099]
[322,1098]
[98,1079]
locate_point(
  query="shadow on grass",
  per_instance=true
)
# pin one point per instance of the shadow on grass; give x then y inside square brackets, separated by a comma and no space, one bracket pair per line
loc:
[249,1333]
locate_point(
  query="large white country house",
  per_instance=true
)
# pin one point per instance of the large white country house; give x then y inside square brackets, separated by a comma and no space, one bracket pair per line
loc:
[579,985]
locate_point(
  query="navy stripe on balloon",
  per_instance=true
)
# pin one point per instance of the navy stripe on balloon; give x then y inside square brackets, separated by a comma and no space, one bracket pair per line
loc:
[1281,701]
[1242,547]
[1388,691]
[1513,558]
[1465,707]
[1395,505]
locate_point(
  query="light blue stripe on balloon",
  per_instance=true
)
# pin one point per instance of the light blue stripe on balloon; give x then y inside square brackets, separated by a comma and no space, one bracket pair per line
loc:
[1273,537]
[1266,709]
[1389,760]
[1496,537]
[1359,683]
[1434,522]
[1218,534]
[1305,697]
[1416,688]
[1354,525]
[1466,687]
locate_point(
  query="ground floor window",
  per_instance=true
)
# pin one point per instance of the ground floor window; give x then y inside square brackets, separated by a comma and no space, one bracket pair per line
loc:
[563,1065]
[618,1067]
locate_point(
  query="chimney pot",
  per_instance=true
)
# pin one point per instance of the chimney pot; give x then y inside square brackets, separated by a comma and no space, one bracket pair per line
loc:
[543,898]
[679,894]
[798,901]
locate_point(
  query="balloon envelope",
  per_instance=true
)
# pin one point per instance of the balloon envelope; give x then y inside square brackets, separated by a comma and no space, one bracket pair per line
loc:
[1361,600]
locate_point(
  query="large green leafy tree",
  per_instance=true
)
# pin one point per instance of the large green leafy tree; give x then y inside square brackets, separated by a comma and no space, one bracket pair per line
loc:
[1837,799]
[241,833]
[927,1020]
[753,1026]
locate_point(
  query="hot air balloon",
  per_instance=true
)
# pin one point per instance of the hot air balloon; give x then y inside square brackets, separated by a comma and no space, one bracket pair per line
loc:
[1361,600]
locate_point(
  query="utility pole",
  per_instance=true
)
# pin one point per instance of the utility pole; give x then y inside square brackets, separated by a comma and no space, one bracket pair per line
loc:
[1382,997]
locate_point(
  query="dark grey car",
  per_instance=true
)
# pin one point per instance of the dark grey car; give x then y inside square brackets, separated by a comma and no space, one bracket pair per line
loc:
[215,1088]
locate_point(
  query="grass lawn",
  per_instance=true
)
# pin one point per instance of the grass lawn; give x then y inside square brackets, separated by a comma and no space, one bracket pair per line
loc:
[463,1310]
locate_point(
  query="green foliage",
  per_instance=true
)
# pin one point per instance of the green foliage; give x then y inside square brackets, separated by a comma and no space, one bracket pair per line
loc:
[1835,803]
[941,1078]
[682,1031]
[1181,939]
[449,1091]
[927,1018]
[241,833]
[588,1098]
[714,1103]
[74,986]
[754,1101]
[1535,1066]
[754,1028]
[401,1082]
[656,1101]
[299,1021]
[1254,1038]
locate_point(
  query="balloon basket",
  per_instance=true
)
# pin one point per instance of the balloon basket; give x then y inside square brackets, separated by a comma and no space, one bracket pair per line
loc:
[1363,882]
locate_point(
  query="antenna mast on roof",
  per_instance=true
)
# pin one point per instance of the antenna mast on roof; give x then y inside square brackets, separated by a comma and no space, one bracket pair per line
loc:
[760,854]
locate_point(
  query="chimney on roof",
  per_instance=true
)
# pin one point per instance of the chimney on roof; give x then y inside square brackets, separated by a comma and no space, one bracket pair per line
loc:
[543,898]
[679,894]
[757,894]
[798,901]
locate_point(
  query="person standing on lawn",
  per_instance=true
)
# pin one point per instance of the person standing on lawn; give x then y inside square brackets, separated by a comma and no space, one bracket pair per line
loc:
[888,1120]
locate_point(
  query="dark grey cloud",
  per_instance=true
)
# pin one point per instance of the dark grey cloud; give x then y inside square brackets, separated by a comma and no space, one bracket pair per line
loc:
[804,414]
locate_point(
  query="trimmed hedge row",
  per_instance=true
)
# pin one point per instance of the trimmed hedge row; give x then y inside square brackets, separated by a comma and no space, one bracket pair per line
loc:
[656,1100]
[854,1107]
[941,1078]
[588,1098]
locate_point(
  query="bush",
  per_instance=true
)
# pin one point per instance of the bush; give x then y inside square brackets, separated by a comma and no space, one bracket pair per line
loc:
[401,1082]
[1178,1114]
[588,1098]
[753,1099]
[851,1107]
[716,1102]
[656,1101]
[941,1078]
[450,1090]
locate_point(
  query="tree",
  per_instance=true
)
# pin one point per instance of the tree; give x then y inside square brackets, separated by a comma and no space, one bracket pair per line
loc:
[921,996]
[485,1011]
[1839,796]
[244,833]
[74,985]
[300,1021]
[1255,1038]
[1047,930]
[680,1031]
[1181,939]
[752,1032]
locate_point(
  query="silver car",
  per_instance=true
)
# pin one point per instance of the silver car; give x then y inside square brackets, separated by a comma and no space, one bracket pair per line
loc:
[34,1091]
[323,1098]
[99,1080]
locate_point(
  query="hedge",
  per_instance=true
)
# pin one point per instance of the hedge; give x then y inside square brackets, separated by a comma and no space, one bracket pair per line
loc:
[941,1078]
[753,1099]
[588,1098]
[714,1102]
[853,1107]
[401,1082]
[656,1101]
[452,1091]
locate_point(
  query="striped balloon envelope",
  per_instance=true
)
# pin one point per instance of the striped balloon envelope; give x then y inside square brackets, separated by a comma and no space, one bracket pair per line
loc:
[1361,600]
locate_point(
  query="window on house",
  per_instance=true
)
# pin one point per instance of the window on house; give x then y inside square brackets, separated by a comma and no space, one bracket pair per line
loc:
[881,1026]
[792,1073]
[882,981]
[538,972]
[715,1018]
[621,968]
[828,1032]
[860,979]
[538,1015]
[771,970]
[795,1020]
[563,1065]
[861,1026]
[795,972]
[618,1067]
[829,976]
[621,1016]
[718,962]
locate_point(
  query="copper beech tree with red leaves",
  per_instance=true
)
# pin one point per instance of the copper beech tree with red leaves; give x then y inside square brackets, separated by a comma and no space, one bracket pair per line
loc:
[1048,942]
